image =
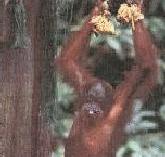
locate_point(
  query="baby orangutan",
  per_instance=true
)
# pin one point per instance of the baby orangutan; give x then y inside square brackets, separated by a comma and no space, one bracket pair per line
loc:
[97,129]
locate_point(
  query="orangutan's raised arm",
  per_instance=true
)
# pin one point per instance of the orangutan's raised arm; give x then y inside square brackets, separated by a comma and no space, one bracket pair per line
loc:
[147,54]
[140,81]
[68,63]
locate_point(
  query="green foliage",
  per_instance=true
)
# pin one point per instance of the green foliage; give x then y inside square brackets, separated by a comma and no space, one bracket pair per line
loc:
[59,152]
[65,97]
[58,111]
[156,26]
[64,92]
[155,6]
[138,124]
[162,112]
[144,146]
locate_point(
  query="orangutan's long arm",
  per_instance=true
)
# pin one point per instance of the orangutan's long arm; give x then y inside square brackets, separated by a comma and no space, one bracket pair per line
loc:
[140,81]
[147,54]
[68,63]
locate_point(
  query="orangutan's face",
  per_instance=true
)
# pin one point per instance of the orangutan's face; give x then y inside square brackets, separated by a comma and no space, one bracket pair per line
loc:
[92,110]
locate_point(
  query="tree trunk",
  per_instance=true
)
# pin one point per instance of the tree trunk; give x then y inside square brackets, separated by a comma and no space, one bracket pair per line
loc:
[21,75]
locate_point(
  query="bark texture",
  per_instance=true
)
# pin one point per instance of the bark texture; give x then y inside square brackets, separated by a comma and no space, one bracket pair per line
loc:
[23,132]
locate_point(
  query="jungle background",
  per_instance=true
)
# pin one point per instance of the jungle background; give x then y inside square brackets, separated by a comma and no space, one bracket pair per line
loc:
[37,107]
[146,130]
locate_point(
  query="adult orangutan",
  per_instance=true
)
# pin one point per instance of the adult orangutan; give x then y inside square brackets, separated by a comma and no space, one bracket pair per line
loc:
[97,129]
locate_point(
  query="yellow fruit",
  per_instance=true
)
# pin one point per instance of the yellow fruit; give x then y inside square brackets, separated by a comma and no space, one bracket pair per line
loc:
[102,24]
[128,13]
